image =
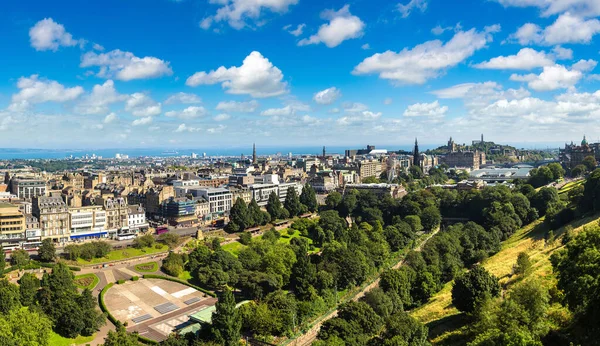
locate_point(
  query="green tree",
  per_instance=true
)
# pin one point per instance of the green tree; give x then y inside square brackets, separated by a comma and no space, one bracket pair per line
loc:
[173,264]
[47,250]
[333,200]
[557,170]
[472,287]
[403,329]
[431,218]
[256,215]
[308,197]
[2,265]
[292,202]
[415,222]
[121,338]
[370,180]
[169,239]
[239,216]
[578,170]
[274,206]
[28,287]
[19,258]
[226,320]
[22,326]
[9,296]
[590,163]
[143,241]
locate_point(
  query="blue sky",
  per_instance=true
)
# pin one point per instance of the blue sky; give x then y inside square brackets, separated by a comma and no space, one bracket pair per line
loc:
[225,73]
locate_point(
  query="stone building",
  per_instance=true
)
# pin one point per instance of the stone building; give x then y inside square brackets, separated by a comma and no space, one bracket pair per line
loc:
[53,214]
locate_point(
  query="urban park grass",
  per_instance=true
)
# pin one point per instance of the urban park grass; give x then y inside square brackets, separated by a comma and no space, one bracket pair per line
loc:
[57,340]
[148,267]
[86,281]
[122,254]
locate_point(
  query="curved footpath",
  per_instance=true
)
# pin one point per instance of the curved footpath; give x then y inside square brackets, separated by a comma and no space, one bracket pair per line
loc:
[311,335]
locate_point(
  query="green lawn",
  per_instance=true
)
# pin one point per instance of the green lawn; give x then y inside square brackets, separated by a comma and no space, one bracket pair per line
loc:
[57,340]
[236,247]
[122,254]
[148,267]
[185,275]
[91,278]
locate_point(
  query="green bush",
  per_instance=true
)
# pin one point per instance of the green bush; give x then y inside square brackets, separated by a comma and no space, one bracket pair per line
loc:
[75,269]
[103,306]
[154,276]
[135,278]
[120,282]
[158,246]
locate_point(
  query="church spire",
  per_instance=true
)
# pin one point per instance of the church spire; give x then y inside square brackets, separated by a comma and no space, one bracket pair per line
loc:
[253,153]
[416,157]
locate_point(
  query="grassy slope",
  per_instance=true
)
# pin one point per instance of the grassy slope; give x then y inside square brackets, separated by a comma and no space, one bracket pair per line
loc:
[93,284]
[121,254]
[236,247]
[57,340]
[445,321]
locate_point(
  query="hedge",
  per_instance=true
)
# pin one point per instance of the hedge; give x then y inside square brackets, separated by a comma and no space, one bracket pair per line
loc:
[120,282]
[135,278]
[75,269]
[103,306]
[145,340]
[168,278]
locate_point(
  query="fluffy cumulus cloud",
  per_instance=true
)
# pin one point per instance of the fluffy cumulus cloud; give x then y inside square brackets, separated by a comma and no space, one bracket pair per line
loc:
[342,26]
[111,117]
[239,13]
[142,105]
[291,109]
[126,66]
[554,77]
[567,28]
[432,109]
[478,95]
[238,107]
[34,90]
[221,117]
[327,96]
[356,113]
[257,77]
[188,113]
[185,128]
[586,8]
[183,98]
[50,35]
[427,60]
[142,121]
[406,9]
[99,100]
[297,31]
[525,59]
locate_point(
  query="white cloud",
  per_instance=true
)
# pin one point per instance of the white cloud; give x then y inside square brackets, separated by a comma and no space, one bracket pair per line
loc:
[342,26]
[567,28]
[525,59]
[184,98]
[99,100]
[142,105]
[426,110]
[551,78]
[327,96]
[354,107]
[438,30]
[237,13]
[427,60]
[97,47]
[586,8]
[290,109]
[188,113]
[35,90]
[585,65]
[222,117]
[356,113]
[217,129]
[110,118]
[296,32]
[406,10]
[238,107]
[388,101]
[142,121]
[185,128]
[49,35]
[478,95]
[125,66]
[257,77]
[365,46]
[562,53]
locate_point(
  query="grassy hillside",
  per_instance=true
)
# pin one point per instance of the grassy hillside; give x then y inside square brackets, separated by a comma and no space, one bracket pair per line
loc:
[445,322]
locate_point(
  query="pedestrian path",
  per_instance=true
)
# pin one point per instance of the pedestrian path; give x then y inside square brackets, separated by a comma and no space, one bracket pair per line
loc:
[110,276]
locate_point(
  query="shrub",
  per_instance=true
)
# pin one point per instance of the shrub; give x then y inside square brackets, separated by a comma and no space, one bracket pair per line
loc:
[135,278]
[120,282]
[158,246]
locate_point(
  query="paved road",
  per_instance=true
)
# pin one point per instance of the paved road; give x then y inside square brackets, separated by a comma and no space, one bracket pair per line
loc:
[311,335]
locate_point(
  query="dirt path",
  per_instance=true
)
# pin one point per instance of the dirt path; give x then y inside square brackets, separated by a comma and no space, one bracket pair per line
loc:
[311,335]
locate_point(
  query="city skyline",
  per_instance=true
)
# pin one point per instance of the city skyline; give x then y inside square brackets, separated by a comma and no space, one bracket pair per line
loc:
[294,73]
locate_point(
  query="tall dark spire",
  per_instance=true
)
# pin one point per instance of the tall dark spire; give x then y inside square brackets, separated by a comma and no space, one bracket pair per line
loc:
[253,153]
[323,152]
[416,156]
